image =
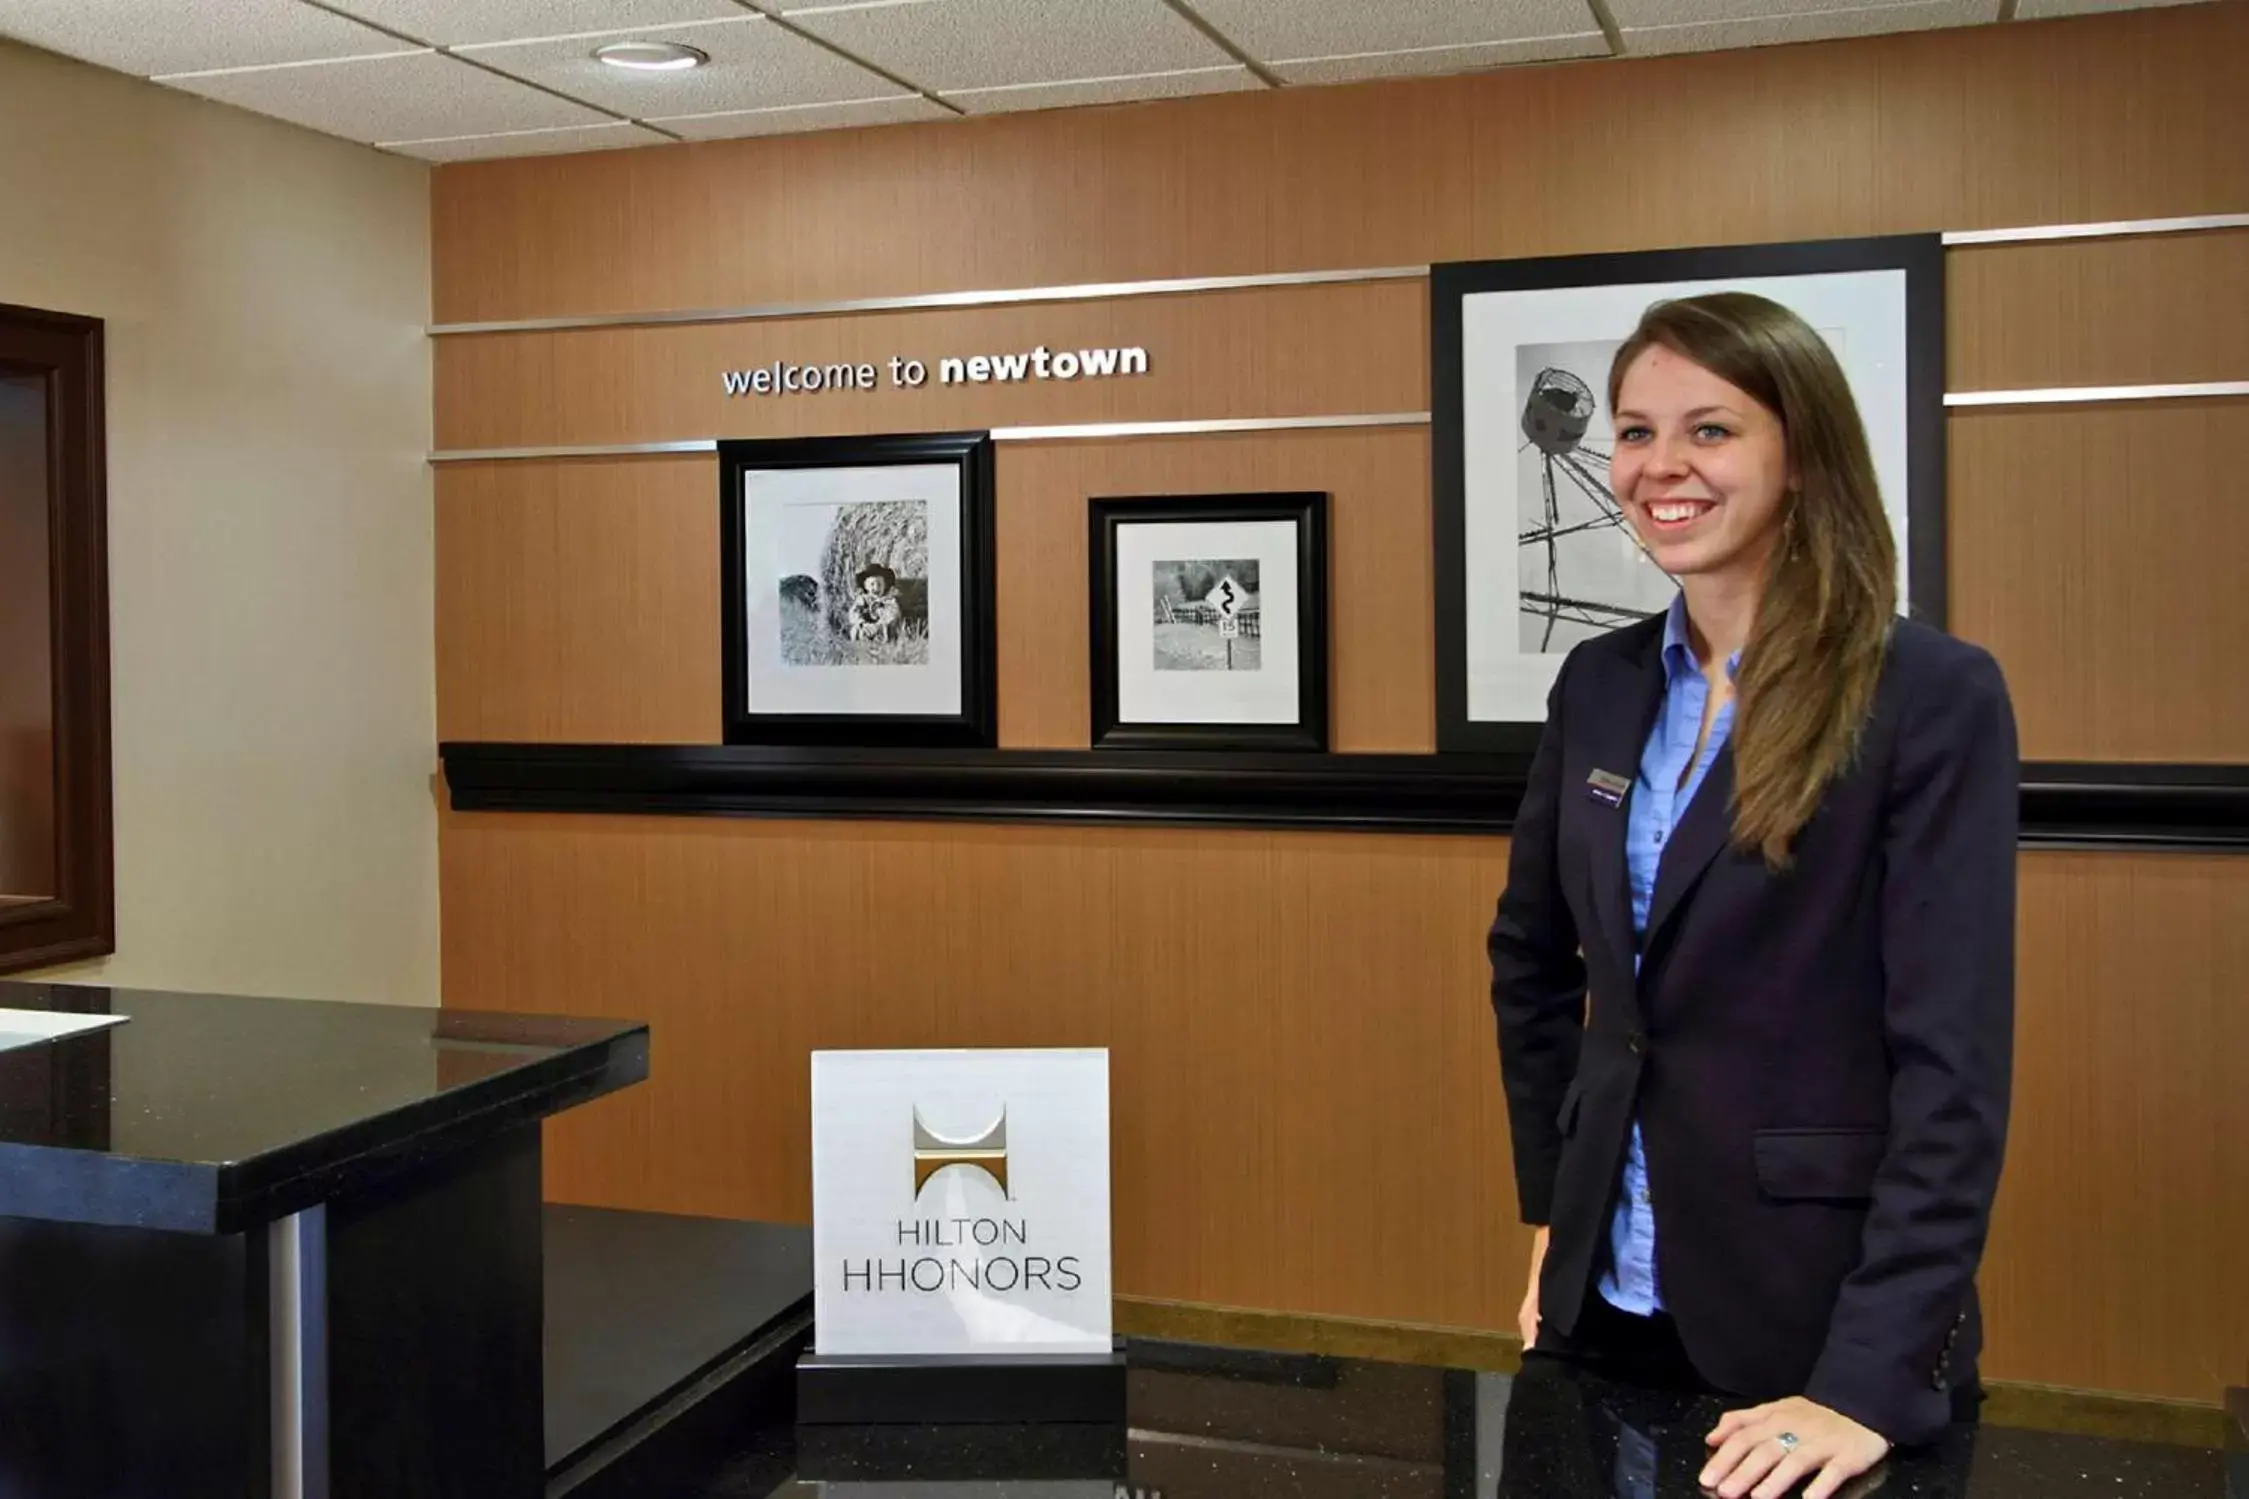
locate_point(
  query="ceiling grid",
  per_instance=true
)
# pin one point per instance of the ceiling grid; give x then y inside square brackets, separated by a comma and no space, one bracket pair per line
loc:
[456,80]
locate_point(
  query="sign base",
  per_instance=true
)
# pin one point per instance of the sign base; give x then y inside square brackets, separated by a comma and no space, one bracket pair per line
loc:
[1062,1454]
[961,1388]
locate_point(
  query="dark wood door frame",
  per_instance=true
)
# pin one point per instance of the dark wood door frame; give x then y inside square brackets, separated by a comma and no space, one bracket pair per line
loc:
[78,920]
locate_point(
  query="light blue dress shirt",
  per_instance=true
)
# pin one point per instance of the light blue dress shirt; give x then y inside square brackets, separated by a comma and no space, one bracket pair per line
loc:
[1670,773]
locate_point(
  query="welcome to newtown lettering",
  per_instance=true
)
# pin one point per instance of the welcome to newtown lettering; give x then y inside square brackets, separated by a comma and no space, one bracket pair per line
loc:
[781,378]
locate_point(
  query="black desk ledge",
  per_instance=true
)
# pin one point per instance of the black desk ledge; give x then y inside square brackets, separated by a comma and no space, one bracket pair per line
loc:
[61,1185]
[67,1171]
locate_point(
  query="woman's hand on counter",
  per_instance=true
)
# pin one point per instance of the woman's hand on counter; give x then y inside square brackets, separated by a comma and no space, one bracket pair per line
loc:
[1764,1451]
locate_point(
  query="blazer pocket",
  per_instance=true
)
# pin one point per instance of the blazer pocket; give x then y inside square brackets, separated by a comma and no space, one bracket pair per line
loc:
[1566,1119]
[1819,1165]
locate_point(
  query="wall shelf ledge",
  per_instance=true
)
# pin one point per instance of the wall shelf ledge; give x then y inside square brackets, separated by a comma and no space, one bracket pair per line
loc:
[2139,806]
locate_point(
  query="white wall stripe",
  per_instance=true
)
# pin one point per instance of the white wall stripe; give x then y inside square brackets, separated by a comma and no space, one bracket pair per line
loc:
[1096,291]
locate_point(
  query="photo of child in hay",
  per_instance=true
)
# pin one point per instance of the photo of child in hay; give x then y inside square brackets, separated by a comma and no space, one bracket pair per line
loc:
[1188,633]
[864,600]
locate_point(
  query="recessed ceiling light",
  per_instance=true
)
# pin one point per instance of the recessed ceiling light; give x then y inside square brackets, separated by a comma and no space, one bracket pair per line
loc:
[651,57]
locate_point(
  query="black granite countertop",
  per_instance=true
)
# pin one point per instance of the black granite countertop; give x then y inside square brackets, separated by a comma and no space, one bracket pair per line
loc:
[214,1113]
[1222,1424]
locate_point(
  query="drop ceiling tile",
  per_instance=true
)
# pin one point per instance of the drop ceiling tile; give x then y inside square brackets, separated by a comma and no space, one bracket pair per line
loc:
[1272,29]
[794,119]
[1422,61]
[754,65]
[569,138]
[147,37]
[454,23]
[2038,10]
[1643,14]
[1649,41]
[946,45]
[1176,85]
[421,96]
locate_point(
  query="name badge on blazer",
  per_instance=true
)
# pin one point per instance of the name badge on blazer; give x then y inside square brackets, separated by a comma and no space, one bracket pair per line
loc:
[1607,787]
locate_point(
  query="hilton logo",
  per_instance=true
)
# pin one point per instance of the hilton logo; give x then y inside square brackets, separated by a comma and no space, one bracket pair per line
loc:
[986,1153]
[1001,1245]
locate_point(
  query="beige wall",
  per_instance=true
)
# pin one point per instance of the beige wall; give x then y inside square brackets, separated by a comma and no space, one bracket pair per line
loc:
[265,291]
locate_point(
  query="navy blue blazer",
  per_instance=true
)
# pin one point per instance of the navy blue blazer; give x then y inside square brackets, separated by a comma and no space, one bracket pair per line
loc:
[1819,1058]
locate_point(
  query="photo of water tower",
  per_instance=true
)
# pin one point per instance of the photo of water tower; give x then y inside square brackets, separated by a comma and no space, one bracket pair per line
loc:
[1583,571]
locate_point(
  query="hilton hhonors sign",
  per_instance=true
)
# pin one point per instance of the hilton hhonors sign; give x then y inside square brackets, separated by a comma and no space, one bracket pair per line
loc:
[960,1201]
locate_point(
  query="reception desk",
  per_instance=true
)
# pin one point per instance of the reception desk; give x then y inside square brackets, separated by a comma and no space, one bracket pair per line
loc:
[276,1248]
[1237,1423]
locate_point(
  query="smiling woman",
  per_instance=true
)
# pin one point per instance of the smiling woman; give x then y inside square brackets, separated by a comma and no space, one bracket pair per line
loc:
[1784,527]
[1810,944]
[1720,459]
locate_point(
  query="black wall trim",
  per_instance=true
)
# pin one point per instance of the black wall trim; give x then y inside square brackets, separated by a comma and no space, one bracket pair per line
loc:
[2078,805]
[1411,793]
[2064,805]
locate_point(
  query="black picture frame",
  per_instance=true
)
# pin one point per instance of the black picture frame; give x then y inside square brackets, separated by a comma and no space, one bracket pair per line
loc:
[1307,510]
[976,723]
[1919,256]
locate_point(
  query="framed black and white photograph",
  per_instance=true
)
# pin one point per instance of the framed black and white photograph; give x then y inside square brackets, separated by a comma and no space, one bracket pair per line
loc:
[1209,622]
[1533,553]
[857,590]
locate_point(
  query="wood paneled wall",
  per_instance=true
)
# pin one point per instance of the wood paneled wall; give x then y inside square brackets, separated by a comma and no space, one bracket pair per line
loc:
[1299,351]
[578,601]
[1307,1109]
[2113,117]
[1306,1102]
[2096,550]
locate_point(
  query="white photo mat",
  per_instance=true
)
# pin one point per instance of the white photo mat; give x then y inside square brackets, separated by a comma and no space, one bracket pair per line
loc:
[1271,694]
[1861,313]
[783,512]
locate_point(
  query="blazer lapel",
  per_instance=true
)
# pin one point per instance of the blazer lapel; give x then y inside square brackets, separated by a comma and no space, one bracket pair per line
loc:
[1701,833]
[1636,690]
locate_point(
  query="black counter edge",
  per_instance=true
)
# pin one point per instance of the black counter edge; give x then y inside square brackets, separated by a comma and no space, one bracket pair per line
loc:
[92,1188]
[288,1180]
[2064,804]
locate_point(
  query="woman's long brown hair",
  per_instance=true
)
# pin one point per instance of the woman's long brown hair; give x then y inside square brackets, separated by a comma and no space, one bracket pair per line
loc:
[1815,651]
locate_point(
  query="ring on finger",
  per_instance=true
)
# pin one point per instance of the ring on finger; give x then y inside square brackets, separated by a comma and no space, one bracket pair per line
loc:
[1788,1441]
